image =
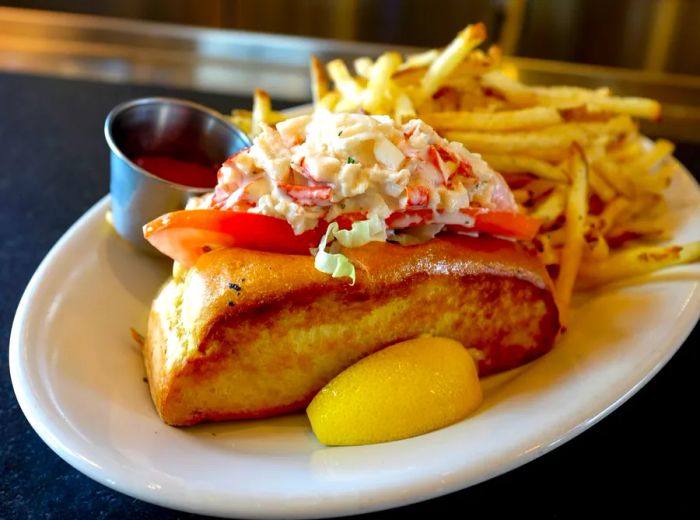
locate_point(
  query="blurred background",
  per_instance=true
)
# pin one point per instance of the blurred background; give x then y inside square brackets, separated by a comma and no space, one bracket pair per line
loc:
[637,47]
[657,35]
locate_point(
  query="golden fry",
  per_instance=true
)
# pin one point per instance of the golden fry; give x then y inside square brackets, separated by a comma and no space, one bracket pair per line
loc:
[600,186]
[525,164]
[549,254]
[576,211]
[363,66]
[660,151]
[420,60]
[610,215]
[344,82]
[449,59]
[510,142]
[378,82]
[403,109]
[633,106]
[598,249]
[243,119]
[527,118]
[262,109]
[551,207]
[636,262]
[319,82]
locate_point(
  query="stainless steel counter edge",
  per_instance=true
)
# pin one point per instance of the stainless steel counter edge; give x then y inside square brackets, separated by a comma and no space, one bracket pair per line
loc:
[236,62]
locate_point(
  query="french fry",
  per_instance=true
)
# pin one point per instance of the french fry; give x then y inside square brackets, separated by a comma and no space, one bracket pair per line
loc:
[378,82]
[600,186]
[660,151]
[243,119]
[551,207]
[626,151]
[523,163]
[449,59]
[403,109]
[319,82]
[614,176]
[262,109]
[522,196]
[635,262]
[363,66]
[632,106]
[549,254]
[346,84]
[528,118]
[576,210]
[329,101]
[611,213]
[598,249]
[420,60]
[655,182]
[547,143]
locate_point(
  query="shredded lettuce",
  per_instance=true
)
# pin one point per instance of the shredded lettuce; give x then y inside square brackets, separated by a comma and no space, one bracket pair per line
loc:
[361,233]
[335,264]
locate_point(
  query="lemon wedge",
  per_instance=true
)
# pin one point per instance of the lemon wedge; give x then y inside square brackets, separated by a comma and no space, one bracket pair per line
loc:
[404,390]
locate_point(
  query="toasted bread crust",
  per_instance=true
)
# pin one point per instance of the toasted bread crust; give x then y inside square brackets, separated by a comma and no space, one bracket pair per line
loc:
[267,331]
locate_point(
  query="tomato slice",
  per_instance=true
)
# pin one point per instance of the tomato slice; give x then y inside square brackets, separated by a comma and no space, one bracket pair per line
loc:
[185,235]
[504,223]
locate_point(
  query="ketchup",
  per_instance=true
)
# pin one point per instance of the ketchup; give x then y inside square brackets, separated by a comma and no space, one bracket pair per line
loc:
[178,171]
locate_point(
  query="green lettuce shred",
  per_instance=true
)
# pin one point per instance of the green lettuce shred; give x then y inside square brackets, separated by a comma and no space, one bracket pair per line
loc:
[337,264]
[360,233]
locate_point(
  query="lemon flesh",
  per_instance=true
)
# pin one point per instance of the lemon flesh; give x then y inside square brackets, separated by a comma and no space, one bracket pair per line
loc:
[404,390]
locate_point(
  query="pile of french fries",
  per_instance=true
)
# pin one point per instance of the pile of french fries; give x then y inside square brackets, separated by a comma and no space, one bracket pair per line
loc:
[574,157]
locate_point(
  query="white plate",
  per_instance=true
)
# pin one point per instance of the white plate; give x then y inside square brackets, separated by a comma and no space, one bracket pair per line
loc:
[78,378]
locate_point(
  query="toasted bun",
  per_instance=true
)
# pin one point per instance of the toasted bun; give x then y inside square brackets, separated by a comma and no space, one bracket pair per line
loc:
[251,334]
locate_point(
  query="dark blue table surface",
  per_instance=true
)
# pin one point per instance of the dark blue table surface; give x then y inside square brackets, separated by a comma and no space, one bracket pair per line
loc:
[54,166]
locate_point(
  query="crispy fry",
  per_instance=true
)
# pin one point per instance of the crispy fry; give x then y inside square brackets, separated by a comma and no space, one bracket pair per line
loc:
[551,207]
[576,210]
[600,186]
[636,262]
[420,60]
[346,84]
[549,254]
[598,249]
[523,163]
[329,101]
[403,109]
[243,119]
[514,142]
[319,82]
[660,151]
[449,59]
[378,83]
[363,66]
[633,106]
[614,176]
[610,215]
[262,108]
[528,118]
[655,182]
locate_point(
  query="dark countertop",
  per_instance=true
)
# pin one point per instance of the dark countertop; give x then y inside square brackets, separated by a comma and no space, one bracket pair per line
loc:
[54,166]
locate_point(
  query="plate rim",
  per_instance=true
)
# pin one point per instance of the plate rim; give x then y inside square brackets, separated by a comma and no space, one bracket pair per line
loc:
[336,504]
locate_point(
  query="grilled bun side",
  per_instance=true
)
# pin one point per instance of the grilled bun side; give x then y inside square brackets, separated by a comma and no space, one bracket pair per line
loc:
[250,334]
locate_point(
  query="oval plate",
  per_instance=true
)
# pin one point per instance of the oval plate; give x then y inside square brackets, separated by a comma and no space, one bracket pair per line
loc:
[79,379]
